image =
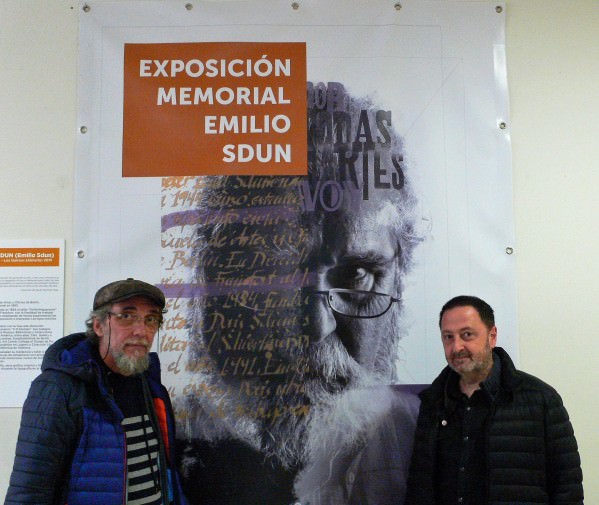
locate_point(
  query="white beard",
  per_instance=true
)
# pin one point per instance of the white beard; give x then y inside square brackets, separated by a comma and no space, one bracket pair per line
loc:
[333,419]
[337,417]
[338,431]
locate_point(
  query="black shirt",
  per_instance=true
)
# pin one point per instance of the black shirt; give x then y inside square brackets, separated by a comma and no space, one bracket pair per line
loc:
[461,469]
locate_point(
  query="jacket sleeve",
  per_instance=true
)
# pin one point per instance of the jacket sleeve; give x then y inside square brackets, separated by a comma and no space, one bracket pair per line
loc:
[179,496]
[564,474]
[47,437]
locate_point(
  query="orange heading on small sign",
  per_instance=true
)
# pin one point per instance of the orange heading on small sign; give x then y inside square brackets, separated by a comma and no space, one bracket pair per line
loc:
[233,108]
[30,257]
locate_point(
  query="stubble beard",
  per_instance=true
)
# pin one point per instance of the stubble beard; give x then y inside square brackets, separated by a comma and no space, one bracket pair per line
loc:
[478,365]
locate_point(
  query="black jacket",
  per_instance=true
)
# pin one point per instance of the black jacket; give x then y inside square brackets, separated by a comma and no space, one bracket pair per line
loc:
[531,453]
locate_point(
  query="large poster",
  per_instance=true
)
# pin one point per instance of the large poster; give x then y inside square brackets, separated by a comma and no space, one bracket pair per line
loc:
[302,304]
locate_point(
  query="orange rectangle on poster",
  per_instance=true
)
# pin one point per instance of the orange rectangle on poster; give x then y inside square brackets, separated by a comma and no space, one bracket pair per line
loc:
[210,108]
[30,257]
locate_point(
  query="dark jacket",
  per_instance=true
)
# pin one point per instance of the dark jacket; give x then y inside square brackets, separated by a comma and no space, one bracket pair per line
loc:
[71,445]
[531,453]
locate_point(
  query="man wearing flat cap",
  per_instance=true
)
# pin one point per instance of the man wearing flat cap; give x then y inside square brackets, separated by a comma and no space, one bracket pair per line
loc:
[97,425]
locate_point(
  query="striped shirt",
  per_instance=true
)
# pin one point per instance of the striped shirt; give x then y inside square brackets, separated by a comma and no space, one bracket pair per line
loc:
[143,477]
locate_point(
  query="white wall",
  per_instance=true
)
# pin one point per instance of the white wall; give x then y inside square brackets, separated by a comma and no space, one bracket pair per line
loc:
[38,91]
[553,71]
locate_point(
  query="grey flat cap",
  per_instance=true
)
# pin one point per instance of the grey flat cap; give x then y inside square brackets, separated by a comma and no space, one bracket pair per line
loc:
[123,290]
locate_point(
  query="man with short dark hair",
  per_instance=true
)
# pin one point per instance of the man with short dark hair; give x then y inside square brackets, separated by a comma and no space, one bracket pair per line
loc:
[97,425]
[488,433]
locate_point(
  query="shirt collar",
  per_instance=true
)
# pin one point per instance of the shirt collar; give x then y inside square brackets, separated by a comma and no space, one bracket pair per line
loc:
[492,383]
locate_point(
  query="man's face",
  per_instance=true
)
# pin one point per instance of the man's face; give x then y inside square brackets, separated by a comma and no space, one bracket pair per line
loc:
[126,335]
[276,349]
[467,341]
[274,327]
[359,251]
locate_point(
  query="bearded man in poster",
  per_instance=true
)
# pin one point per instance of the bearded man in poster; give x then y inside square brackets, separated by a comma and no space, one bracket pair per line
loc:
[297,322]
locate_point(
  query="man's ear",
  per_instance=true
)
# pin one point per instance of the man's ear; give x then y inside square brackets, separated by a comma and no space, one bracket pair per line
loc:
[493,336]
[98,327]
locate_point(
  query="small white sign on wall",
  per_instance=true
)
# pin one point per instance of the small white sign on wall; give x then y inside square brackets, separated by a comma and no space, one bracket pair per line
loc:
[31,311]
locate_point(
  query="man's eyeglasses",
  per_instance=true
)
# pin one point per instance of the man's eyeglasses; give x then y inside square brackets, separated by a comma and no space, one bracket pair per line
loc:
[358,303]
[152,322]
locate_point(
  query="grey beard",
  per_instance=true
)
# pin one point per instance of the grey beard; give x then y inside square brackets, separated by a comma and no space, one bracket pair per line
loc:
[131,365]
